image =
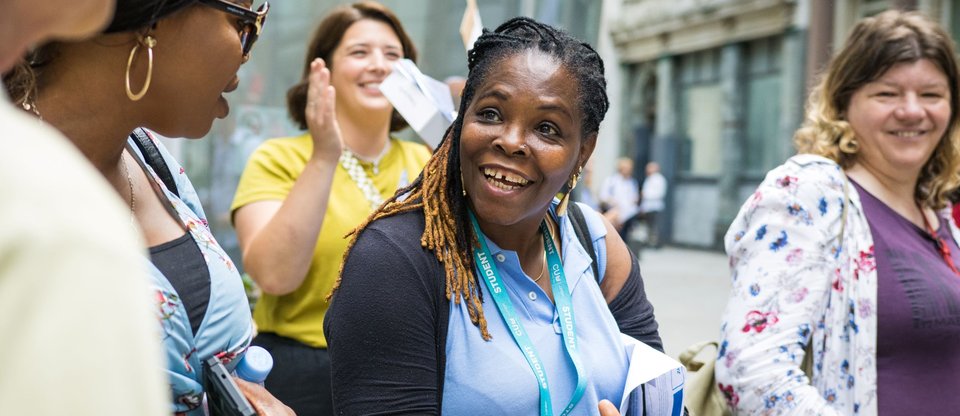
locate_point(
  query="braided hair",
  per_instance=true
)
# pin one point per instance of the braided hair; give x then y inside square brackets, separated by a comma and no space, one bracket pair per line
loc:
[438,191]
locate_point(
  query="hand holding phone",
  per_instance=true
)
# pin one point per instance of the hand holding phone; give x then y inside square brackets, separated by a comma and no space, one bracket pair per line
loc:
[223,396]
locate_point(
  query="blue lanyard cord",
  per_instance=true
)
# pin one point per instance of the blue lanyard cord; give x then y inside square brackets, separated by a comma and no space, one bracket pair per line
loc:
[563,299]
[491,277]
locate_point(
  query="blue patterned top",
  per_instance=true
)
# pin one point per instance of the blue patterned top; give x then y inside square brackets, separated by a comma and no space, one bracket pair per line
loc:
[226,329]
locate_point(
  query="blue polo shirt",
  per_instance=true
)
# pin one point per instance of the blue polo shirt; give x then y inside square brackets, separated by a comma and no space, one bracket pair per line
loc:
[493,377]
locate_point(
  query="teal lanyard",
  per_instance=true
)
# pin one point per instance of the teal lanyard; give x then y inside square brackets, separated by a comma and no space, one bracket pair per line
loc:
[561,293]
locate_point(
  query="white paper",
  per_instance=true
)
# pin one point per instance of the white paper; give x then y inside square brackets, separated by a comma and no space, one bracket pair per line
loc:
[425,103]
[470,26]
[661,376]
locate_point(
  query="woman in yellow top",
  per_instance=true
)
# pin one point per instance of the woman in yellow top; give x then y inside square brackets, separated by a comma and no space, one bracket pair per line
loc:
[299,196]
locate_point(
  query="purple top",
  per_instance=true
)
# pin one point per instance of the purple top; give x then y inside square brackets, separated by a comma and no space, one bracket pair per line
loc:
[918,315]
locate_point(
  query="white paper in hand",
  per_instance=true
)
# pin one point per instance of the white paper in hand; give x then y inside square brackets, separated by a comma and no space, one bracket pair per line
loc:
[662,379]
[425,103]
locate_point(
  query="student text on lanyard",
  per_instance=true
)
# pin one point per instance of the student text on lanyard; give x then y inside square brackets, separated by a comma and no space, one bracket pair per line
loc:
[564,305]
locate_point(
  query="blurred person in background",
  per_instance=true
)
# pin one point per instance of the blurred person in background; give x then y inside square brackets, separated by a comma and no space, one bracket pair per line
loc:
[620,194]
[162,65]
[846,251]
[413,327]
[652,195]
[299,196]
[78,335]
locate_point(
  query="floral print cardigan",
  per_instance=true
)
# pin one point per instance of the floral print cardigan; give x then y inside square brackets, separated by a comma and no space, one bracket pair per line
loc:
[796,279]
[227,327]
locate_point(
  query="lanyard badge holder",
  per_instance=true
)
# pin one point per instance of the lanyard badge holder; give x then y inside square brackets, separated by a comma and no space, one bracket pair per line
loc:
[564,305]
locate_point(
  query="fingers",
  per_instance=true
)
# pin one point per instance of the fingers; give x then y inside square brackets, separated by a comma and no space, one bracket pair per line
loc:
[262,401]
[607,409]
[331,103]
[318,92]
[320,112]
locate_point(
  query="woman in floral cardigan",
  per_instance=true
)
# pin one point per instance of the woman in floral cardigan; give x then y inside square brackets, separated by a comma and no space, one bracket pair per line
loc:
[846,250]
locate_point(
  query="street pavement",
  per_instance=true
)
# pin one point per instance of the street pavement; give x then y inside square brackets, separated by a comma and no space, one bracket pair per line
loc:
[689,290]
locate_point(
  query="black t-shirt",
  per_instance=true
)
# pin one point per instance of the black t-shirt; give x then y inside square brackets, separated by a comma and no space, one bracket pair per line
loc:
[182,263]
[386,327]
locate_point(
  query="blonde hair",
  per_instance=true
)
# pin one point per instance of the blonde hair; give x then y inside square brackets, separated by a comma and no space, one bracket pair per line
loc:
[875,45]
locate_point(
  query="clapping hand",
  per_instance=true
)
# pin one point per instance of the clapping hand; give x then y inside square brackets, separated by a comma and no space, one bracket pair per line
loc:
[320,112]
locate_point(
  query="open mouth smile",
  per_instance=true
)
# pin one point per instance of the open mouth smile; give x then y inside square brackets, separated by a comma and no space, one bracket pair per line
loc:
[908,133]
[506,181]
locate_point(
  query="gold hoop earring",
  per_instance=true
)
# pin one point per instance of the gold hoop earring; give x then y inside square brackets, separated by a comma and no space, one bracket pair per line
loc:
[562,207]
[149,42]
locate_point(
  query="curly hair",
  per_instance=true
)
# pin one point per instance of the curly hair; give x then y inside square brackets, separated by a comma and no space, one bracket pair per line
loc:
[438,191]
[875,45]
[324,42]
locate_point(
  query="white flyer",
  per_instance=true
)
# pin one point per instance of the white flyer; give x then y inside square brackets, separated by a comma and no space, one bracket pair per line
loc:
[654,380]
[425,103]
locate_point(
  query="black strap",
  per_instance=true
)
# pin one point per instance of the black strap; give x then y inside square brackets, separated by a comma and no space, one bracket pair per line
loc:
[582,231]
[152,155]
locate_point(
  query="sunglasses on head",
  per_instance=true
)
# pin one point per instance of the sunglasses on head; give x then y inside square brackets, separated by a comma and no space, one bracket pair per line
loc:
[252,20]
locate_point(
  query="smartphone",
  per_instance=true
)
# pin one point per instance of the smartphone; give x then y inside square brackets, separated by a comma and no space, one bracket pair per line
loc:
[223,396]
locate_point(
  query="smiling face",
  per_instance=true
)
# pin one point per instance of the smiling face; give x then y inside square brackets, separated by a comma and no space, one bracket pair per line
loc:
[522,139]
[364,57]
[900,118]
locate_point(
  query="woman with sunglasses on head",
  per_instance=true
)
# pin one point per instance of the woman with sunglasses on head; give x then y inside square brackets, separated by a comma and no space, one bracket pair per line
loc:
[161,65]
[299,196]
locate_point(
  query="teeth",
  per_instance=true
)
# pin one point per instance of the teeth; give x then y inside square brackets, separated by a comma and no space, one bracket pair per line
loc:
[371,85]
[907,133]
[503,186]
[508,177]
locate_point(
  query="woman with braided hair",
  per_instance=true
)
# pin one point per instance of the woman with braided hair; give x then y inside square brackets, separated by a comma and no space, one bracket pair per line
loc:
[418,322]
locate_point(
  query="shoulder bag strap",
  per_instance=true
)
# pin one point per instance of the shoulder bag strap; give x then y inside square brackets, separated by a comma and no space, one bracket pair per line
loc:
[152,155]
[582,231]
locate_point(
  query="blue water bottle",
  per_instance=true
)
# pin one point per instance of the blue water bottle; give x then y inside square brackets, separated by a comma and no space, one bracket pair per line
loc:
[255,365]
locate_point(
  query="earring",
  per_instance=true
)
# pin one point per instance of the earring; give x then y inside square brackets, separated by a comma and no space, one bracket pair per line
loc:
[463,186]
[562,207]
[149,42]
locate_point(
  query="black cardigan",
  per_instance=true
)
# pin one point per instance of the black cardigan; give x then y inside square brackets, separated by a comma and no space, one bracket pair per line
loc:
[386,327]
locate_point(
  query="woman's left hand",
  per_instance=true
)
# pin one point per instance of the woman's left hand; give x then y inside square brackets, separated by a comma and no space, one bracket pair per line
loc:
[262,401]
[607,408]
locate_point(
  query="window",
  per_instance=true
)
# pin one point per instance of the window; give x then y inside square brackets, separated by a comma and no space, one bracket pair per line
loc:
[701,102]
[763,145]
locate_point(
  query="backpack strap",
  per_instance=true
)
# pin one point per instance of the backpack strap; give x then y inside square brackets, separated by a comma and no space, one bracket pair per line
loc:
[153,158]
[582,231]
